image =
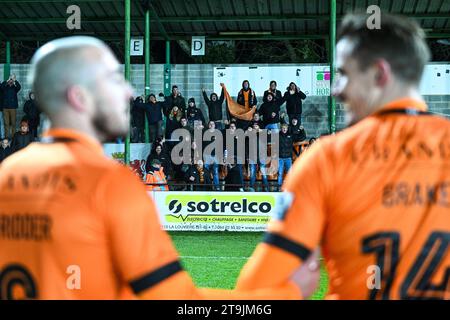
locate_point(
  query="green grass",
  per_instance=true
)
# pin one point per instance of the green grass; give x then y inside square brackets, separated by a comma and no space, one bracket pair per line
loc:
[214,259]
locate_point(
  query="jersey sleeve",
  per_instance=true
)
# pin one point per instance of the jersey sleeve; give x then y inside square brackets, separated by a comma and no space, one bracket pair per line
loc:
[293,233]
[142,253]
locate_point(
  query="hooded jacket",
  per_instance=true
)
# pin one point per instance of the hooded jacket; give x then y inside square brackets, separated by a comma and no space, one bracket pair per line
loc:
[214,107]
[193,113]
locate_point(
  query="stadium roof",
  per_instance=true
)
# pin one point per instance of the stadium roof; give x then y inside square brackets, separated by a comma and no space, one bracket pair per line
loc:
[216,19]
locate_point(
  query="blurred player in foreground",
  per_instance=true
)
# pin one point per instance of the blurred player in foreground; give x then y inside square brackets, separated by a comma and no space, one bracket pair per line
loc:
[375,196]
[77,225]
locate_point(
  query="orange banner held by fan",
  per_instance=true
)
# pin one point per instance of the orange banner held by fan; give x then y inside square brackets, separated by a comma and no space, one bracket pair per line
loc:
[236,110]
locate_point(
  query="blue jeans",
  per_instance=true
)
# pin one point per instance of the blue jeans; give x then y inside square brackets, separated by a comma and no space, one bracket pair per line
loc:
[284,164]
[211,161]
[253,174]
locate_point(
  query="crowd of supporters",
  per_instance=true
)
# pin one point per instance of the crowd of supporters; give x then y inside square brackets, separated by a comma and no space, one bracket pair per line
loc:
[165,114]
[205,172]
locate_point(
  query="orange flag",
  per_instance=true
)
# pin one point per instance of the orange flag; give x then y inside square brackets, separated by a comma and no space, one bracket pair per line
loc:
[236,110]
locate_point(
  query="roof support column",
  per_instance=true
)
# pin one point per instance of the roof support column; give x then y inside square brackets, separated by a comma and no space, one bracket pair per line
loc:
[127,68]
[167,70]
[147,67]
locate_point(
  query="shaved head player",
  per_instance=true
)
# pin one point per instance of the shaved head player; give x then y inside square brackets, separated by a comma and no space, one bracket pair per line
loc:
[76,225]
[375,196]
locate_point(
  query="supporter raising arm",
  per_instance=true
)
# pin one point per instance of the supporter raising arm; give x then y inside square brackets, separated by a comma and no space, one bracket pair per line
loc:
[214,104]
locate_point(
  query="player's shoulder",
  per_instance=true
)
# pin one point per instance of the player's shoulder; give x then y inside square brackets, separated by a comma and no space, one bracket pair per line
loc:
[339,144]
[331,150]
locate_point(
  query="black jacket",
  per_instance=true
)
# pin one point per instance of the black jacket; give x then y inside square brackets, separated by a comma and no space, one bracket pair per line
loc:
[266,110]
[194,114]
[214,107]
[294,102]
[137,115]
[193,172]
[177,101]
[154,111]
[10,95]
[31,110]
[20,141]
[297,133]
[277,95]
[171,125]
[4,153]
[286,142]
[234,177]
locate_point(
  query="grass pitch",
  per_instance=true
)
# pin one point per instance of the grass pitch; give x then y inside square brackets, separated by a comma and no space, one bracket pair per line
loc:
[214,259]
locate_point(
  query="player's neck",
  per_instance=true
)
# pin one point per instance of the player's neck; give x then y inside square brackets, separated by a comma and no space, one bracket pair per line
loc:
[400,92]
[73,121]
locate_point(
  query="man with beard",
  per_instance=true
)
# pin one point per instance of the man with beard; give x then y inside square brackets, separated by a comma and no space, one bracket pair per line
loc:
[69,210]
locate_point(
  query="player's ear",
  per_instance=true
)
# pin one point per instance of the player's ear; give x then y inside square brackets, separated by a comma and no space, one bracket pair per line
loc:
[77,97]
[383,72]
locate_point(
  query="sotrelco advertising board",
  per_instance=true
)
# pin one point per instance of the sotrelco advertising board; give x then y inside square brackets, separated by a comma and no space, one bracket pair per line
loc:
[219,211]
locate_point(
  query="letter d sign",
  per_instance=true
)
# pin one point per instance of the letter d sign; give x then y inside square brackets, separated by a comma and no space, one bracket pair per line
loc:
[198,46]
